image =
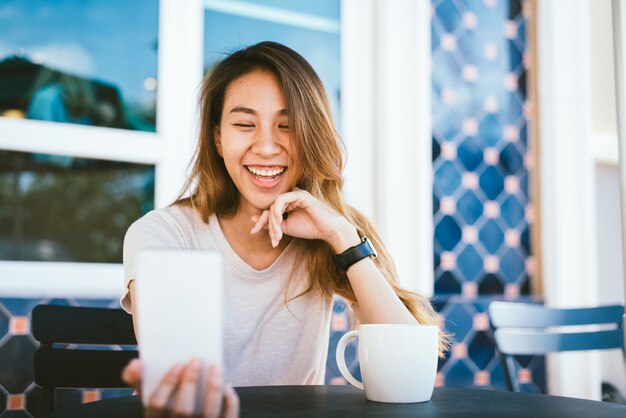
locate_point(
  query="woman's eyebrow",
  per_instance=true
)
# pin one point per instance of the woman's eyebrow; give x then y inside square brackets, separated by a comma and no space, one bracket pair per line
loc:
[249,111]
[243,109]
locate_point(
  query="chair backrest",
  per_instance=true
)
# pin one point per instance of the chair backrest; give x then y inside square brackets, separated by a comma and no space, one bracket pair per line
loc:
[531,329]
[58,363]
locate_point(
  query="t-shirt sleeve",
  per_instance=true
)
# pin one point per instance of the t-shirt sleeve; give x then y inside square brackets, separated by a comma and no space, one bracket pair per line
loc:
[152,231]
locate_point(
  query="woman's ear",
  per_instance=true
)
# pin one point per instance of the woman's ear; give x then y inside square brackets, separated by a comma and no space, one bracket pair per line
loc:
[217,137]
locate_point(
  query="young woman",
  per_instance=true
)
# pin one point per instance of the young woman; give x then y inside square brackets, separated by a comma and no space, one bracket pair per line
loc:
[265,191]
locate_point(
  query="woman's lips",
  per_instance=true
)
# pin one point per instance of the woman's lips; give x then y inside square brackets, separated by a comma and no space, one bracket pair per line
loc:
[266,177]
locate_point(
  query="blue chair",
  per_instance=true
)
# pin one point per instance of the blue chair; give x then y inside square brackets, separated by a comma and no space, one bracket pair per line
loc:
[58,363]
[529,329]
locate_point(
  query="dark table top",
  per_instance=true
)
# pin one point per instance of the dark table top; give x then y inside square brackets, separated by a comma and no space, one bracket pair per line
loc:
[346,401]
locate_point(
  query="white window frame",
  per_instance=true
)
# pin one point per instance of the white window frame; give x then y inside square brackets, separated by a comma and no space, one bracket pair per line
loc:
[180,69]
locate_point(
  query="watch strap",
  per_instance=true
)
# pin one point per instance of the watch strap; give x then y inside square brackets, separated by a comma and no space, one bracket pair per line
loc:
[355,254]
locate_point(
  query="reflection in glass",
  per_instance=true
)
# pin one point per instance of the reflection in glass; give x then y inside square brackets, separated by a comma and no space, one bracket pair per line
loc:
[92,62]
[60,208]
[318,44]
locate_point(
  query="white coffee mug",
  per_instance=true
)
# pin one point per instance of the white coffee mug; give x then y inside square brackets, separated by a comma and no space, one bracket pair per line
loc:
[398,362]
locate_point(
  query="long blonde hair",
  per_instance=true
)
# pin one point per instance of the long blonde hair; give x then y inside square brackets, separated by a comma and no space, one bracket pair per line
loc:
[318,151]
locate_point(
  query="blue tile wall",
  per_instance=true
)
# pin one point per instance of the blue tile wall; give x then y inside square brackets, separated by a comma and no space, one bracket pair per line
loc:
[481,164]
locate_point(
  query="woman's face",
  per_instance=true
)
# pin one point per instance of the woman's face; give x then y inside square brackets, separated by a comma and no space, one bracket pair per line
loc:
[254,140]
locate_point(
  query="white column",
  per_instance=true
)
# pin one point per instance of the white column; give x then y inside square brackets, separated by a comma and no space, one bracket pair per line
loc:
[180,73]
[358,113]
[386,88]
[567,194]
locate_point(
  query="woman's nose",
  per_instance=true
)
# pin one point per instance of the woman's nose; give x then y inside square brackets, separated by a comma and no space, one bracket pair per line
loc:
[266,143]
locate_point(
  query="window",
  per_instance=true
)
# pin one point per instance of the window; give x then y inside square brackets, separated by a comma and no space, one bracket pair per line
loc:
[62,208]
[63,61]
[310,28]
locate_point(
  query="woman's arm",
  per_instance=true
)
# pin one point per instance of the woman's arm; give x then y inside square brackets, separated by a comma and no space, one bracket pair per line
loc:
[309,218]
[377,301]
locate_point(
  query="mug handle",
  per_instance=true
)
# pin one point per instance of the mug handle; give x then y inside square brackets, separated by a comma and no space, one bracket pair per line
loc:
[340,356]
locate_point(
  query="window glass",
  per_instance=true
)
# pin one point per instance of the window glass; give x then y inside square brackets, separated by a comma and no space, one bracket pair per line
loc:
[61,208]
[322,8]
[317,42]
[91,62]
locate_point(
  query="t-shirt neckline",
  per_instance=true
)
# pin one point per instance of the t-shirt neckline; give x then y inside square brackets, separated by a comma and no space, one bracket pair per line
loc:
[233,259]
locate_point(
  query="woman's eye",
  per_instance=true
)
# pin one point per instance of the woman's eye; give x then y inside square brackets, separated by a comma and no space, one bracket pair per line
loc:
[286,127]
[244,125]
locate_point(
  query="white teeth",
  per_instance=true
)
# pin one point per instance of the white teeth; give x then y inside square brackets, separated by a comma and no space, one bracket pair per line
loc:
[264,172]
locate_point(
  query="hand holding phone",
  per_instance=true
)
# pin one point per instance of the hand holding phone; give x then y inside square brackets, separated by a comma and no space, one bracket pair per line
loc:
[179,308]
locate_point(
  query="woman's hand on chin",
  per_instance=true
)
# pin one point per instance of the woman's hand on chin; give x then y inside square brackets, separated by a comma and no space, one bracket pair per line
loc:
[176,394]
[301,215]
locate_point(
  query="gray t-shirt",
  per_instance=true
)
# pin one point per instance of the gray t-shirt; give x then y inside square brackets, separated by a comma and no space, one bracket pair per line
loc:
[266,342]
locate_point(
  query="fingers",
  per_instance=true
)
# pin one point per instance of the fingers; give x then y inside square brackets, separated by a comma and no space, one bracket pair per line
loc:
[187,395]
[131,374]
[160,399]
[180,387]
[214,392]
[284,204]
[260,221]
[231,403]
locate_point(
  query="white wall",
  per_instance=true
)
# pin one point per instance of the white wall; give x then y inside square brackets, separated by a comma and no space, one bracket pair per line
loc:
[577,142]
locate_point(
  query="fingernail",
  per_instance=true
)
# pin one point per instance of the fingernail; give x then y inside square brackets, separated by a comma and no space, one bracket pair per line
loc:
[218,370]
[274,243]
[195,363]
[177,369]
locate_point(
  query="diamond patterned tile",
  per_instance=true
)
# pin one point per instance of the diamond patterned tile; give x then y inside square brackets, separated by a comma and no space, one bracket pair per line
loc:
[3,399]
[459,375]
[447,233]
[512,211]
[447,178]
[490,284]
[470,207]
[458,320]
[446,283]
[491,236]
[34,401]
[470,263]
[515,56]
[490,129]
[481,349]
[453,17]
[470,152]
[436,149]
[511,161]
[16,414]
[491,182]
[18,352]
[17,306]
[512,265]
[513,110]
[4,322]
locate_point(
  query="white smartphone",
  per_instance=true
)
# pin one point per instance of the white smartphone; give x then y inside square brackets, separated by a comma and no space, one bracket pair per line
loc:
[179,308]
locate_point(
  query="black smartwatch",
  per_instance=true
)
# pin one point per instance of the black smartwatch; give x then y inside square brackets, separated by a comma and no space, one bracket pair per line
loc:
[356,253]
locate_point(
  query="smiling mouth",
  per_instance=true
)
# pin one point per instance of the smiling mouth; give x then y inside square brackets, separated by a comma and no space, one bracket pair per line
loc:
[266,173]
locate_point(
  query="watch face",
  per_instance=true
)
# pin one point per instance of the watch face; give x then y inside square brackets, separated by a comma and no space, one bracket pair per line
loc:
[369,244]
